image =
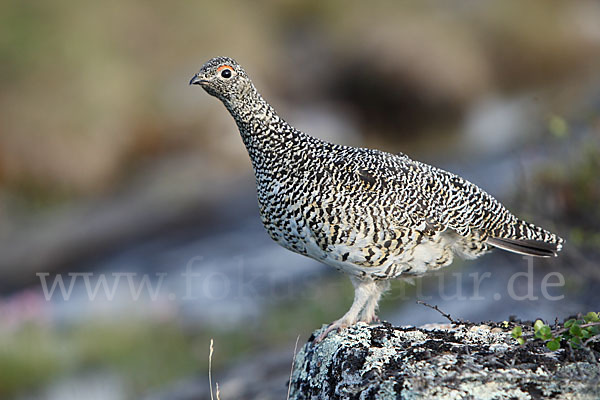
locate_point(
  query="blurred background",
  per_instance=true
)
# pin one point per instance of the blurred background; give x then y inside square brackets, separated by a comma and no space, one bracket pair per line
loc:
[129,232]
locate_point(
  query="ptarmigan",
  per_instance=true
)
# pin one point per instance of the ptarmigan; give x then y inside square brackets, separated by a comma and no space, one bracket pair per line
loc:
[372,215]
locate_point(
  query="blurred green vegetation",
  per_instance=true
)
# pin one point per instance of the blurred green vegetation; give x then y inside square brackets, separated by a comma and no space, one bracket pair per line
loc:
[148,353]
[145,354]
[576,187]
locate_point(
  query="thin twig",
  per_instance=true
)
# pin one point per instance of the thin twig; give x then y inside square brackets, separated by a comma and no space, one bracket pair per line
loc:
[563,330]
[210,353]
[292,368]
[436,308]
[592,339]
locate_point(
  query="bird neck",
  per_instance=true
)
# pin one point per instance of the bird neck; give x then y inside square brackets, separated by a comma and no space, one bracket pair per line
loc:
[264,133]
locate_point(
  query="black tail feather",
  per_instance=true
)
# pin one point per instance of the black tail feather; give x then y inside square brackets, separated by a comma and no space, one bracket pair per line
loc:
[528,247]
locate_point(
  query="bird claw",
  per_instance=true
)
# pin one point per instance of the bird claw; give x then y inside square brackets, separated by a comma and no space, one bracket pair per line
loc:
[373,319]
[334,326]
[342,324]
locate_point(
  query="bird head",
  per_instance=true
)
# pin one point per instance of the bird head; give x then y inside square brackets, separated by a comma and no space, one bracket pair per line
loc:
[223,78]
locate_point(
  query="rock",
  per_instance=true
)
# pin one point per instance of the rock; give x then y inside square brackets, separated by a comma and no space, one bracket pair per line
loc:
[456,362]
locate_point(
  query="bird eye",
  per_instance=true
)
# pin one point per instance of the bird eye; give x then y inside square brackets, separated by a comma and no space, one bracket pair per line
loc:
[226,73]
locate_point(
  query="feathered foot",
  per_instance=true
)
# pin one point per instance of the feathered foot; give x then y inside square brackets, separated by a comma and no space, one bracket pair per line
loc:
[366,297]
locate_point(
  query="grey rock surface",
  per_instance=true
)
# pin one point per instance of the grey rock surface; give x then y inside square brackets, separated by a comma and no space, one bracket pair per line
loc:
[462,361]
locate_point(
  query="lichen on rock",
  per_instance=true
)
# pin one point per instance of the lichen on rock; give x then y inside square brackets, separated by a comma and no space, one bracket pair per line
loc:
[460,361]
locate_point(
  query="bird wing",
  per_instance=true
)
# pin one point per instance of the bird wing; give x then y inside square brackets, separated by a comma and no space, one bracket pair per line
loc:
[444,200]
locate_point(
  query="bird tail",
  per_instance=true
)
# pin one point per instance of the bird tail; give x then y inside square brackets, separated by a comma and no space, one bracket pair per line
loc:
[528,239]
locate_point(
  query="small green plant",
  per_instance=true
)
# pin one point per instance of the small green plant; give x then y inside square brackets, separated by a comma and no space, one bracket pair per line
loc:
[576,332]
[517,333]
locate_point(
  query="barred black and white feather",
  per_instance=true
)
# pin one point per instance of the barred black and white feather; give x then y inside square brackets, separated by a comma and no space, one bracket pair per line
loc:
[371,214]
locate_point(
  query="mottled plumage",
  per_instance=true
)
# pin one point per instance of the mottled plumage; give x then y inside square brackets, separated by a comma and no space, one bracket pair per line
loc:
[371,214]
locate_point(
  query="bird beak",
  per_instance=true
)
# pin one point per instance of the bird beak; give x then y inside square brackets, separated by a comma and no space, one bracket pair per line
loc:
[196,80]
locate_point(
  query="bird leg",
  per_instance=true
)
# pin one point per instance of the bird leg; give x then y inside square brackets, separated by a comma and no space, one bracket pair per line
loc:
[366,296]
[369,312]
